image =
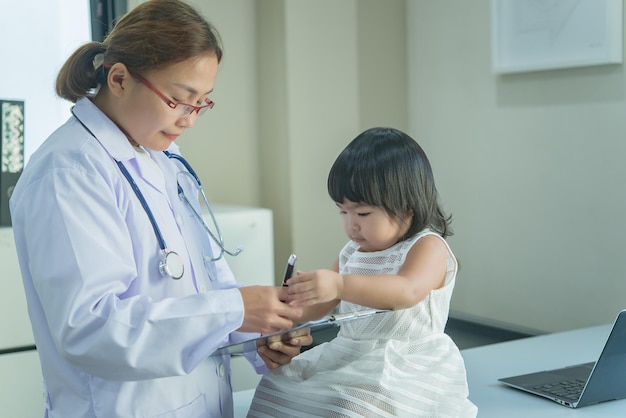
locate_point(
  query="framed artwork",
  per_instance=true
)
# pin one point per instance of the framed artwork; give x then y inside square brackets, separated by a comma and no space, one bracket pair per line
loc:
[533,35]
[12,150]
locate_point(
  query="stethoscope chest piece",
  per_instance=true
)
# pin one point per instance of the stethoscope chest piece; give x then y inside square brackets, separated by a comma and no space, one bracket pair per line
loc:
[172,265]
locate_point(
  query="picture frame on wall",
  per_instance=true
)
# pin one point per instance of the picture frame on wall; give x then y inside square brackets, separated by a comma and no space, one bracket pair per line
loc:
[12,151]
[535,35]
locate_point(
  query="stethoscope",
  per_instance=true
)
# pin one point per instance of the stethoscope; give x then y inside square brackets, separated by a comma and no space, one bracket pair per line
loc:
[171,264]
[219,239]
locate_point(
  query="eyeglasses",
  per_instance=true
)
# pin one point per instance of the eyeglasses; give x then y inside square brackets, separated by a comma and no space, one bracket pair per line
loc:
[184,108]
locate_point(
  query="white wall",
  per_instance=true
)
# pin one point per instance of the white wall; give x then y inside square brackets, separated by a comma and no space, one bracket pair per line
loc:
[36,38]
[327,70]
[531,165]
[223,147]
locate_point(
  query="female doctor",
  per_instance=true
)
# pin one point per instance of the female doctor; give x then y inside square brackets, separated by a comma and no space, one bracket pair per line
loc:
[127,294]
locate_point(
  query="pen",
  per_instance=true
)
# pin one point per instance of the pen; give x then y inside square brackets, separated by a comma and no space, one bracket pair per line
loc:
[291,262]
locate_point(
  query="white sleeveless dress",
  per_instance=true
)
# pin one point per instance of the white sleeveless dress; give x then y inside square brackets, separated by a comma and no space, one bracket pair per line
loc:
[398,364]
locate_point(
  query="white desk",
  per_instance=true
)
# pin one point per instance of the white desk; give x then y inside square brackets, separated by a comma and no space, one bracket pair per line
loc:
[485,365]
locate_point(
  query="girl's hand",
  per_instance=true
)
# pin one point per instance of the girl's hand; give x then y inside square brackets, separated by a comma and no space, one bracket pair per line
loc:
[314,287]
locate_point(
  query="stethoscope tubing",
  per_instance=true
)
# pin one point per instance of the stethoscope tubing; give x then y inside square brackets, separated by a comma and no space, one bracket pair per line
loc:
[171,264]
[144,204]
[219,239]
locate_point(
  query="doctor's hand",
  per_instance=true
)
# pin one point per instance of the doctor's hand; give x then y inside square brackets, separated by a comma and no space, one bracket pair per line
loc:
[264,310]
[277,352]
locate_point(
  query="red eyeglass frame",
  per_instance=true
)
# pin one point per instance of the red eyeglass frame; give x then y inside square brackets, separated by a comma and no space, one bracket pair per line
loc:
[173,105]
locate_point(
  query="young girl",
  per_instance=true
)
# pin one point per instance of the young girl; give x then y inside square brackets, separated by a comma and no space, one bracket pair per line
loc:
[394,364]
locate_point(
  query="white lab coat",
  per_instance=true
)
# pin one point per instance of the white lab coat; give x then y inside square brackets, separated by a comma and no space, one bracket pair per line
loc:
[115,337]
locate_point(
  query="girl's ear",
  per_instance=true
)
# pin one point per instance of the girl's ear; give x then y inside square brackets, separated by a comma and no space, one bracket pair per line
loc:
[117,78]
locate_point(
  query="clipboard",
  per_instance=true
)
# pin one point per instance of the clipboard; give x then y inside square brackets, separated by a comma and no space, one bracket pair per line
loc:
[316,326]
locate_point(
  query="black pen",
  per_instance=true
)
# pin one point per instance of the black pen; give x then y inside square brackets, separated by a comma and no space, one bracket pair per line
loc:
[291,263]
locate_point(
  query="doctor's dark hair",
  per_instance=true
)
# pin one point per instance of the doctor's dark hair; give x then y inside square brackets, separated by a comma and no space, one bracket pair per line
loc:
[386,168]
[153,35]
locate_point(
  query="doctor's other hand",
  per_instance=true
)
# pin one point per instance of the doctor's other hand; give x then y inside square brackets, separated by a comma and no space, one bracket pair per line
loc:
[265,311]
[277,352]
[312,287]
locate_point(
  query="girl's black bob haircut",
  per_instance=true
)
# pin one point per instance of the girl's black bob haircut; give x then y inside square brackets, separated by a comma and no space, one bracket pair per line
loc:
[385,167]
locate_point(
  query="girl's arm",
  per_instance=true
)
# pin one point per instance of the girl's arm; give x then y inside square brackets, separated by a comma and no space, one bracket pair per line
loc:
[423,271]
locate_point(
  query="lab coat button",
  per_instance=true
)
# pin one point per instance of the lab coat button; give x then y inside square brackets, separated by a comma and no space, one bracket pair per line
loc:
[179,220]
[222,370]
[202,288]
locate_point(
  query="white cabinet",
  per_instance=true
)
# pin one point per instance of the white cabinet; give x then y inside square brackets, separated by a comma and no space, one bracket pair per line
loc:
[15,328]
[20,375]
[21,389]
[253,229]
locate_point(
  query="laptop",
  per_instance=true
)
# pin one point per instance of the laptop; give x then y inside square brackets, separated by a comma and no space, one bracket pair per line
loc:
[583,384]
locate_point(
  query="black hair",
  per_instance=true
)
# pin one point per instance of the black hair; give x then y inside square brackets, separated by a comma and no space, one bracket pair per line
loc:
[386,168]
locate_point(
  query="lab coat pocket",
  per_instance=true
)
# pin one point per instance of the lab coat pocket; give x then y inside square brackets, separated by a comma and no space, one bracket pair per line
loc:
[195,409]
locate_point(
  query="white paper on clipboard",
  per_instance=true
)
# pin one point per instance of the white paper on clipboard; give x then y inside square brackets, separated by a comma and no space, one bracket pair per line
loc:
[315,326]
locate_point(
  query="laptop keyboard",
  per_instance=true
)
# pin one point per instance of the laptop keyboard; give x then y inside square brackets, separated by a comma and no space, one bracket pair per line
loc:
[568,389]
